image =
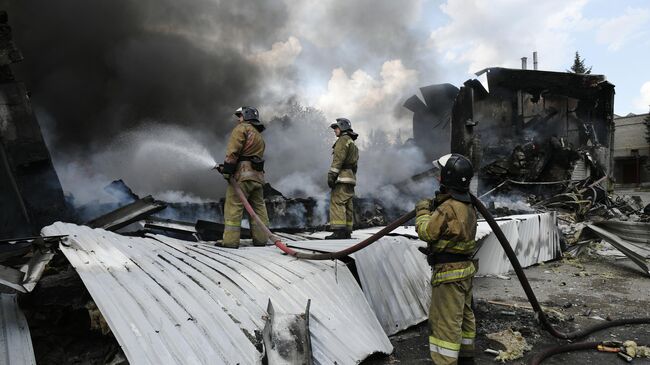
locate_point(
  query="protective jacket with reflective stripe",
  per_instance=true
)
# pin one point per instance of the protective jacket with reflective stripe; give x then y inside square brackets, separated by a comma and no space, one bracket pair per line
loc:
[450,228]
[345,156]
[245,140]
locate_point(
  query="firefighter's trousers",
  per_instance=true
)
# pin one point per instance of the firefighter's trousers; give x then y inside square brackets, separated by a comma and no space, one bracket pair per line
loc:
[234,209]
[451,321]
[341,209]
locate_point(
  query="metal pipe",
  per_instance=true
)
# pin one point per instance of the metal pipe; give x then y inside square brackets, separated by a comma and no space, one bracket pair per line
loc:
[535,60]
[523,63]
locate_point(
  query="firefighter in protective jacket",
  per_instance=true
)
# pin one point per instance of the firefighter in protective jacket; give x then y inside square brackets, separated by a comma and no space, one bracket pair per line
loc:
[245,163]
[448,225]
[341,178]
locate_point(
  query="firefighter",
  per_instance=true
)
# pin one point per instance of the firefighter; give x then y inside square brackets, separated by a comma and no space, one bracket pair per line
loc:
[245,163]
[341,179]
[448,225]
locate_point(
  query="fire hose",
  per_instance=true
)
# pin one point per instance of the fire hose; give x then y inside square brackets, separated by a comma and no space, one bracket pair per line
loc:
[532,298]
[317,256]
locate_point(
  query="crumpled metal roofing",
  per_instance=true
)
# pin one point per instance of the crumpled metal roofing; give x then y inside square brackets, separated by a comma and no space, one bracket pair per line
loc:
[15,340]
[395,276]
[170,302]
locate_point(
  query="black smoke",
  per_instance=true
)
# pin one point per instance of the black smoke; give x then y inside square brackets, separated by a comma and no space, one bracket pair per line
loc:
[98,68]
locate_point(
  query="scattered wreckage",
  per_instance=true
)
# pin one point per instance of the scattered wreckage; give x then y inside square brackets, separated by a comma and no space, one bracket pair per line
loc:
[143,283]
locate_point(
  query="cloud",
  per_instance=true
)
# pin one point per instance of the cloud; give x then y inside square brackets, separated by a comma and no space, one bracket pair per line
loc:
[367,22]
[642,102]
[370,102]
[624,29]
[498,33]
[281,54]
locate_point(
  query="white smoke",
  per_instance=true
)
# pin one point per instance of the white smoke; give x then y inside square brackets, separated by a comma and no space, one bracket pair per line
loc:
[370,102]
[158,159]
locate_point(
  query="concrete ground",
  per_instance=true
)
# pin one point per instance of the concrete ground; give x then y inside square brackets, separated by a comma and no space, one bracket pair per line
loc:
[582,292]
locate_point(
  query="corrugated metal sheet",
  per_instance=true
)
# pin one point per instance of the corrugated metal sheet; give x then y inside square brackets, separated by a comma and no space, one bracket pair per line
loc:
[15,340]
[534,238]
[170,302]
[635,232]
[581,171]
[626,247]
[395,276]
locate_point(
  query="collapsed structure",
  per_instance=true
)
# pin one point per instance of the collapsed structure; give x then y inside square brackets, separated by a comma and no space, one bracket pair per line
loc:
[522,125]
[146,275]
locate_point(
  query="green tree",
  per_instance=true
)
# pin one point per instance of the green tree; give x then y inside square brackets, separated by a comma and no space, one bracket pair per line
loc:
[578,66]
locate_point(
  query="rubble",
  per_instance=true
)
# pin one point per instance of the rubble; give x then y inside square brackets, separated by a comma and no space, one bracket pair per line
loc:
[634,350]
[23,261]
[287,338]
[15,340]
[127,214]
[514,343]
[159,292]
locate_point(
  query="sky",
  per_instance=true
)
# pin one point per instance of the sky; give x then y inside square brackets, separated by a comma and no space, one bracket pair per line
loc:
[450,40]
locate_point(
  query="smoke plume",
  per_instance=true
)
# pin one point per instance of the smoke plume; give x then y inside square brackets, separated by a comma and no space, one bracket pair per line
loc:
[144,90]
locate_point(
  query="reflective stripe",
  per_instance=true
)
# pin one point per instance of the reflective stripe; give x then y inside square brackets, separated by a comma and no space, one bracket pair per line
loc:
[444,344]
[342,223]
[254,174]
[445,276]
[468,334]
[346,180]
[231,228]
[335,170]
[232,223]
[443,351]
[421,223]
[467,341]
[462,247]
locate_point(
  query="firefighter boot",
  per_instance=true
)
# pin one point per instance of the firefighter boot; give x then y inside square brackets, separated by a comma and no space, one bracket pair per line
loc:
[466,361]
[338,234]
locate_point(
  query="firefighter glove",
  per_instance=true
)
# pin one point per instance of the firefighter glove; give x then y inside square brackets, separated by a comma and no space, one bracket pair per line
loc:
[331,179]
[227,170]
[423,207]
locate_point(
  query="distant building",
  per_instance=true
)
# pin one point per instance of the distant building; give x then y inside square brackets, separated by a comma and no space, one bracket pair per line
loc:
[631,150]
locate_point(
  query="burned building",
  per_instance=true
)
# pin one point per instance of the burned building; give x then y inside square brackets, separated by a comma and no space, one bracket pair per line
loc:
[530,125]
[30,192]
[432,118]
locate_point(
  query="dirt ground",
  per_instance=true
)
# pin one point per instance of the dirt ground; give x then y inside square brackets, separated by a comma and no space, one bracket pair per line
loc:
[581,291]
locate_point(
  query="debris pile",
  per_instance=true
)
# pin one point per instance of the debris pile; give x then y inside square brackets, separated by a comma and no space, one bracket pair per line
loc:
[585,200]
[634,350]
[514,343]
